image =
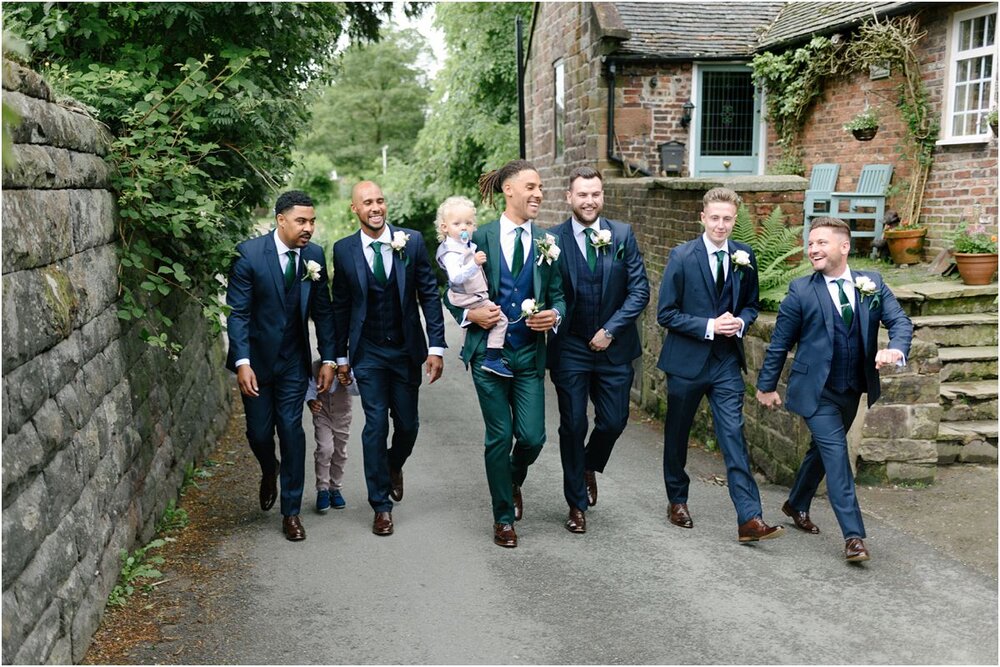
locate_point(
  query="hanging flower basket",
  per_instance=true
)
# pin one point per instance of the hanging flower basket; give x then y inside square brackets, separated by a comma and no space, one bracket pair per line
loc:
[865,133]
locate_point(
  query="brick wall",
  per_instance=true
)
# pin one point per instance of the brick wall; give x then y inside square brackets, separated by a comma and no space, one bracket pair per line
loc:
[98,427]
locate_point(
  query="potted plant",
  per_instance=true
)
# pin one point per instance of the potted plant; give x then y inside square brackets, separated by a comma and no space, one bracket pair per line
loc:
[975,254]
[906,242]
[991,120]
[865,124]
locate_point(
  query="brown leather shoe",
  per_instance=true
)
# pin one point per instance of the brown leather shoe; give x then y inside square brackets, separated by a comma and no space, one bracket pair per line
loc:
[396,479]
[504,535]
[755,529]
[591,478]
[800,519]
[382,524]
[268,490]
[518,503]
[855,550]
[576,522]
[679,515]
[293,529]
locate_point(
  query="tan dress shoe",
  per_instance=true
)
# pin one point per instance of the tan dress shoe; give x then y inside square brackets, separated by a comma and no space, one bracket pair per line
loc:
[382,525]
[293,528]
[590,477]
[679,515]
[576,522]
[855,550]
[755,529]
[504,535]
[800,519]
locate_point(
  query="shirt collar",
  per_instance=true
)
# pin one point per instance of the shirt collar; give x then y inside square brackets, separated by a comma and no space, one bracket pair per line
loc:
[710,247]
[846,275]
[507,226]
[280,245]
[386,237]
[579,227]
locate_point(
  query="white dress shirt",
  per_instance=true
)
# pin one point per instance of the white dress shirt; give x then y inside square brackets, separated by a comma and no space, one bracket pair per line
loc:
[580,234]
[507,235]
[711,249]
[831,286]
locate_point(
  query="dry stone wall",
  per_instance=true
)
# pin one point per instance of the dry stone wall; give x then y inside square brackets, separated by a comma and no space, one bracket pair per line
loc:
[98,427]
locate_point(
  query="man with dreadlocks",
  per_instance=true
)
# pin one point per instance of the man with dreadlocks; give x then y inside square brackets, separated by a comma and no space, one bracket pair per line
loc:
[527,287]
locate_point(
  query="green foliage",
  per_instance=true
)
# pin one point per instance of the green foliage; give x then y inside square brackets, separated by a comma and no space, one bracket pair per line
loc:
[973,239]
[174,518]
[17,48]
[137,567]
[192,474]
[773,245]
[790,164]
[865,119]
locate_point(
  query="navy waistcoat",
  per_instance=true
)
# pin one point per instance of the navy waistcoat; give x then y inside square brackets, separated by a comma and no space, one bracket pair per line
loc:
[383,323]
[846,369]
[587,292]
[509,297]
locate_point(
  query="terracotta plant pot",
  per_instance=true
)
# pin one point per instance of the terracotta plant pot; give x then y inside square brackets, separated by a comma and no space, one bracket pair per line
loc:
[906,246]
[976,268]
[865,133]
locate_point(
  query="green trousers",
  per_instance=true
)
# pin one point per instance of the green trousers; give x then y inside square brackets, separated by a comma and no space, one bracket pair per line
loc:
[513,414]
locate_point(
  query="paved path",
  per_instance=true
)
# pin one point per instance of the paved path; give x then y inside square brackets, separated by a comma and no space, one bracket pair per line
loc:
[634,589]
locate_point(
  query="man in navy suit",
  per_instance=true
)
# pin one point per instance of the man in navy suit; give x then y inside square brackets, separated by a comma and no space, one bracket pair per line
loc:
[380,274]
[591,355]
[277,282]
[708,298]
[833,317]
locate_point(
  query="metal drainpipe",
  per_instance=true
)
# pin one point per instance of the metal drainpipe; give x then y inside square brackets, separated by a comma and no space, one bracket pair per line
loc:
[617,159]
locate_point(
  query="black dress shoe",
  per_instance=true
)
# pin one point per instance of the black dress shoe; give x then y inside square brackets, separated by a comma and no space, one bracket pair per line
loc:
[268,490]
[576,522]
[800,519]
[396,479]
[590,477]
[504,535]
[679,516]
[382,525]
[518,503]
[755,529]
[855,550]
[293,529]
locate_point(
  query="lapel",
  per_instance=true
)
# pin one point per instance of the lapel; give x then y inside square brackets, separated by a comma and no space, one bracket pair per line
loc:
[569,243]
[701,255]
[495,254]
[734,273]
[605,255]
[360,263]
[536,233]
[822,298]
[274,266]
[861,310]
[305,285]
[399,268]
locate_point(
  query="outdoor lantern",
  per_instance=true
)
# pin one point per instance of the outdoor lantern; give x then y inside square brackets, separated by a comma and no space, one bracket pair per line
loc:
[686,118]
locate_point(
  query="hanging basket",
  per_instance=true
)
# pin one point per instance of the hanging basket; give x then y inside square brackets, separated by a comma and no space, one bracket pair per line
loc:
[976,268]
[906,246]
[865,133]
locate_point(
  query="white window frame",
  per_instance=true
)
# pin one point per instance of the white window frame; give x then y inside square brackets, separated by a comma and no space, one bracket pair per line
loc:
[947,119]
[558,112]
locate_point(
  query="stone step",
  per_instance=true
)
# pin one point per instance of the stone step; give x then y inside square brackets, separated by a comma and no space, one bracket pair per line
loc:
[967,442]
[943,297]
[957,329]
[968,363]
[969,401]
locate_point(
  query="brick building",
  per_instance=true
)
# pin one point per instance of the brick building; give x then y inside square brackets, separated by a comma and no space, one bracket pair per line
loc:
[680,80]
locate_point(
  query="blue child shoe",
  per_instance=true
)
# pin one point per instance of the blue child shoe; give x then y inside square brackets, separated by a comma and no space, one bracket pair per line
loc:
[322,501]
[497,367]
[338,500]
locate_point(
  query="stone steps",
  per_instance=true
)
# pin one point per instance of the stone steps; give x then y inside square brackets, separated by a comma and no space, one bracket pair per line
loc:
[946,297]
[969,401]
[977,362]
[957,330]
[967,442]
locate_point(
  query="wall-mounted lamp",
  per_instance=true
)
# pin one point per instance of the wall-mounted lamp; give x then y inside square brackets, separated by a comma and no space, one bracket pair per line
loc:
[686,118]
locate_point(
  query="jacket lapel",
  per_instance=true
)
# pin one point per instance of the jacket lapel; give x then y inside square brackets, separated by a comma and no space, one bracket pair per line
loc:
[536,233]
[399,267]
[495,255]
[274,266]
[305,285]
[605,254]
[568,244]
[822,297]
[360,263]
[861,310]
[701,256]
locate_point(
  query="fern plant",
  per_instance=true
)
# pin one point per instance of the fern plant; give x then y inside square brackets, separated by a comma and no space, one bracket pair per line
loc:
[773,243]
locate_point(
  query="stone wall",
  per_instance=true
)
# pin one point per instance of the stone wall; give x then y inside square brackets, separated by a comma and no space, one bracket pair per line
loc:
[98,426]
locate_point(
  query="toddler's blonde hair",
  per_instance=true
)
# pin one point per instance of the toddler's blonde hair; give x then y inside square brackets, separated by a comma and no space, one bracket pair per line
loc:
[454,201]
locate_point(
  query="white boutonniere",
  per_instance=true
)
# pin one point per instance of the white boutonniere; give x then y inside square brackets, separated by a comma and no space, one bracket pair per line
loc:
[548,251]
[866,288]
[399,241]
[529,307]
[312,270]
[741,260]
[601,239]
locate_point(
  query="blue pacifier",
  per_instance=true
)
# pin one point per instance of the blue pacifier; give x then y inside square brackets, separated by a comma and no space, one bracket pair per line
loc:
[464,236]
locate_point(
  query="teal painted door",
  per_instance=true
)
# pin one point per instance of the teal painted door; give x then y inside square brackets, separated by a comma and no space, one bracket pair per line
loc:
[727,122]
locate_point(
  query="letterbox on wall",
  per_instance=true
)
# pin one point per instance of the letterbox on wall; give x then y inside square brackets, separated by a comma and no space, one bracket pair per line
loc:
[671,157]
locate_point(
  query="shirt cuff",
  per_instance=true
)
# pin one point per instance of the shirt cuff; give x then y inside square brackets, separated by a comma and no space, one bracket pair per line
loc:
[242,362]
[342,361]
[329,362]
[710,329]
[901,362]
[743,326]
[465,319]
[436,351]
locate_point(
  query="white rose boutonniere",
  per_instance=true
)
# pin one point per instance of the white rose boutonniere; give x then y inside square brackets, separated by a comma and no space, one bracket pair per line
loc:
[548,251]
[398,242]
[312,270]
[741,259]
[529,307]
[866,288]
[601,239]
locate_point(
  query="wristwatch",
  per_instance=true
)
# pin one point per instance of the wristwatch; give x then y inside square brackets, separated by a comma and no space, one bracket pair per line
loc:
[607,334]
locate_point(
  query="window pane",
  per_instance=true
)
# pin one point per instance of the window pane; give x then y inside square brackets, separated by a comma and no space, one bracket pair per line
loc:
[962,71]
[960,98]
[991,29]
[965,35]
[978,27]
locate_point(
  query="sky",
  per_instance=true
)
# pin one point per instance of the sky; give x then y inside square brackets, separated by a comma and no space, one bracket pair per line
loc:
[435,38]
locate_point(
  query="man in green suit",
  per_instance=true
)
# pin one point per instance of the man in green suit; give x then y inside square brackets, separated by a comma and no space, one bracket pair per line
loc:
[520,265]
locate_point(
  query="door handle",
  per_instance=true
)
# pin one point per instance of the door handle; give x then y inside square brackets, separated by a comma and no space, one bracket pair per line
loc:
[727,164]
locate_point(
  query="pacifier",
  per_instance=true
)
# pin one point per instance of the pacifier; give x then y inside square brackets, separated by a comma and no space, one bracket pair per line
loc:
[464,236]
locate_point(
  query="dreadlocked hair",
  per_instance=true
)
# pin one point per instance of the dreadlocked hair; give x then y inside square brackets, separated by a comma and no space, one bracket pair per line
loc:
[492,182]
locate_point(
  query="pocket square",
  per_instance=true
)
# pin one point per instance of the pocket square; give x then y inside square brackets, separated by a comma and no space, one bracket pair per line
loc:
[620,253]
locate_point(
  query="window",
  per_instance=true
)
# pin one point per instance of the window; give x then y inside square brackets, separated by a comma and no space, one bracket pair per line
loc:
[971,73]
[559,98]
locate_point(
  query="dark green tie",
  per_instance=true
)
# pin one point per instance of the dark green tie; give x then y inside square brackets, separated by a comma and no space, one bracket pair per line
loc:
[845,305]
[720,271]
[290,270]
[591,250]
[378,266]
[518,262]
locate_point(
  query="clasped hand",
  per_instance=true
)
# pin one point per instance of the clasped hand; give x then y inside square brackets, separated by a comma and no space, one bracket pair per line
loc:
[727,325]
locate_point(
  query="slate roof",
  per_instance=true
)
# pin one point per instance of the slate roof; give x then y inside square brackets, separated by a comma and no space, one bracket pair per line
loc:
[798,21]
[686,30]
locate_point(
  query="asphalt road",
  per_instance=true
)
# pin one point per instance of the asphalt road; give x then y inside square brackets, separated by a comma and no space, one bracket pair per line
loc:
[633,589]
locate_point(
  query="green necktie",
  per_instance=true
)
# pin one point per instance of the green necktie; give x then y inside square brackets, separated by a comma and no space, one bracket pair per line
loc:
[591,250]
[845,305]
[720,271]
[518,262]
[290,270]
[378,266]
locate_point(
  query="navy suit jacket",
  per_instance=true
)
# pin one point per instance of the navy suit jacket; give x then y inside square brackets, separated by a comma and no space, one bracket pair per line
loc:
[688,300]
[624,290]
[416,283]
[256,294]
[805,319]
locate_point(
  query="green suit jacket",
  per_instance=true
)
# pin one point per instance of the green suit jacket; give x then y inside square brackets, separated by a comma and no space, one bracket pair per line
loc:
[547,285]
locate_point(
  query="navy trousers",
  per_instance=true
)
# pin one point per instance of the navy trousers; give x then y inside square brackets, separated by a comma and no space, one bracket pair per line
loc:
[278,408]
[828,455]
[389,384]
[721,381]
[586,375]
